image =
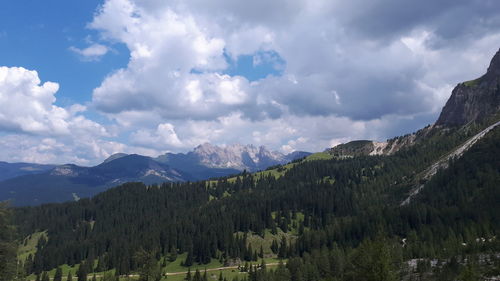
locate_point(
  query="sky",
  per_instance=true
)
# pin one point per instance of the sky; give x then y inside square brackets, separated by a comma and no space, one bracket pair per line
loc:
[81,80]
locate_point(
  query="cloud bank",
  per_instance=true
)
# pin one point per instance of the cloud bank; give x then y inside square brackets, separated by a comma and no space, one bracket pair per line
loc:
[347,70]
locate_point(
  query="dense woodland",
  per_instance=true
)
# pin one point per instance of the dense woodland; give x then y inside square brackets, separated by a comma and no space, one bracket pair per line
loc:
[353,226]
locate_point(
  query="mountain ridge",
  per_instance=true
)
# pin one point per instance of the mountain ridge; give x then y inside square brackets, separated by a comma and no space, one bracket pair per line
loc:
[206,161]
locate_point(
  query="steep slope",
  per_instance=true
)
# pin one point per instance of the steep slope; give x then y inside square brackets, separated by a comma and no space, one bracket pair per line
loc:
[443,162]
[474,100]
[340,202]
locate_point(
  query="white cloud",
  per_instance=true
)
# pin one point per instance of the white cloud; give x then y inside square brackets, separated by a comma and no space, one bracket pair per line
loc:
[91,53]
[163,137]
[39,131]
[332,72]
[27,106]
[349,71]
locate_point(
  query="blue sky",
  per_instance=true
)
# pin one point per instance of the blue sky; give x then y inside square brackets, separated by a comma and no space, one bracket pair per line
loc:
[38,35]
[80,80]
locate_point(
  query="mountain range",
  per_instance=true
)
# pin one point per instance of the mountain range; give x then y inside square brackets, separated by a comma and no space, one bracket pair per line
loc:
[423,206]
[471,103]
[32,184]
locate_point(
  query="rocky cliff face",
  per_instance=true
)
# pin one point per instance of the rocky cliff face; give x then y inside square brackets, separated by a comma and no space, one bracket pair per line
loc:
[474,100]
[470,101]
[240,157]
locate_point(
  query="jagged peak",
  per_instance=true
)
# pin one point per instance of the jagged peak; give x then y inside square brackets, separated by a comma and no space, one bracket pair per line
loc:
[474,100]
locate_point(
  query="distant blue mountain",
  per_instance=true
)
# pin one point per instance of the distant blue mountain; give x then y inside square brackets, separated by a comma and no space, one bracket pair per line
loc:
[62,183]
[12,170]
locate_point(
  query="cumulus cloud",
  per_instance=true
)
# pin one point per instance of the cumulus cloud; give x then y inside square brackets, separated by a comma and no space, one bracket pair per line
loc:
[391,64]
[163,136]
[92,53]
[27,106]
[39,131]
[344,70]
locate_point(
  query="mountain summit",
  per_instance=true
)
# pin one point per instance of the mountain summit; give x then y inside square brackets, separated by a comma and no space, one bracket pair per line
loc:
[239,156]
[67,182]
[474,100]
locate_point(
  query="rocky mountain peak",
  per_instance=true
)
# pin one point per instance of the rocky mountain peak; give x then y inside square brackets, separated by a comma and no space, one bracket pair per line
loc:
[474,100]
[494,68]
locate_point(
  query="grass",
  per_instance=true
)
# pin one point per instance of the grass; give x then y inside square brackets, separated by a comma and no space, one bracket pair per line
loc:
[471,83]
[319,156]
[176,266]
[172,267]
[74,268]
[28,245]
[229,274]
[280,171]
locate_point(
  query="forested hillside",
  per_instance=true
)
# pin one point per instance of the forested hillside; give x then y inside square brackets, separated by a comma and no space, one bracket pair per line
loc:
[344,209]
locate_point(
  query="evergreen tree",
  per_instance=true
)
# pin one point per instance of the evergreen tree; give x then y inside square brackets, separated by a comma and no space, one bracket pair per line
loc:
[58,274]
[188,275]
[189,258]
[372,260]
[172,255]
[81,273]
[197,276]
[283,248]
[148,267]
[70,276]
[45,276]
[8,248]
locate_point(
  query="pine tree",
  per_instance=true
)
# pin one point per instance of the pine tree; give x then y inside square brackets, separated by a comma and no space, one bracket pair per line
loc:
[263,265]
[45,276]
[172,255]
[197,276]
[70,276]
[8,248]
[100,264]
[189,259]
[283,248]
[82,272]
[188,275]
[274,247]
[58,274]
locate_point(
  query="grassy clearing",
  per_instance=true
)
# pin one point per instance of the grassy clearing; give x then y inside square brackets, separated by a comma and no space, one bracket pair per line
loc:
[173,267]
[176,266]
[319,156]
[28,245]
[229,274]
